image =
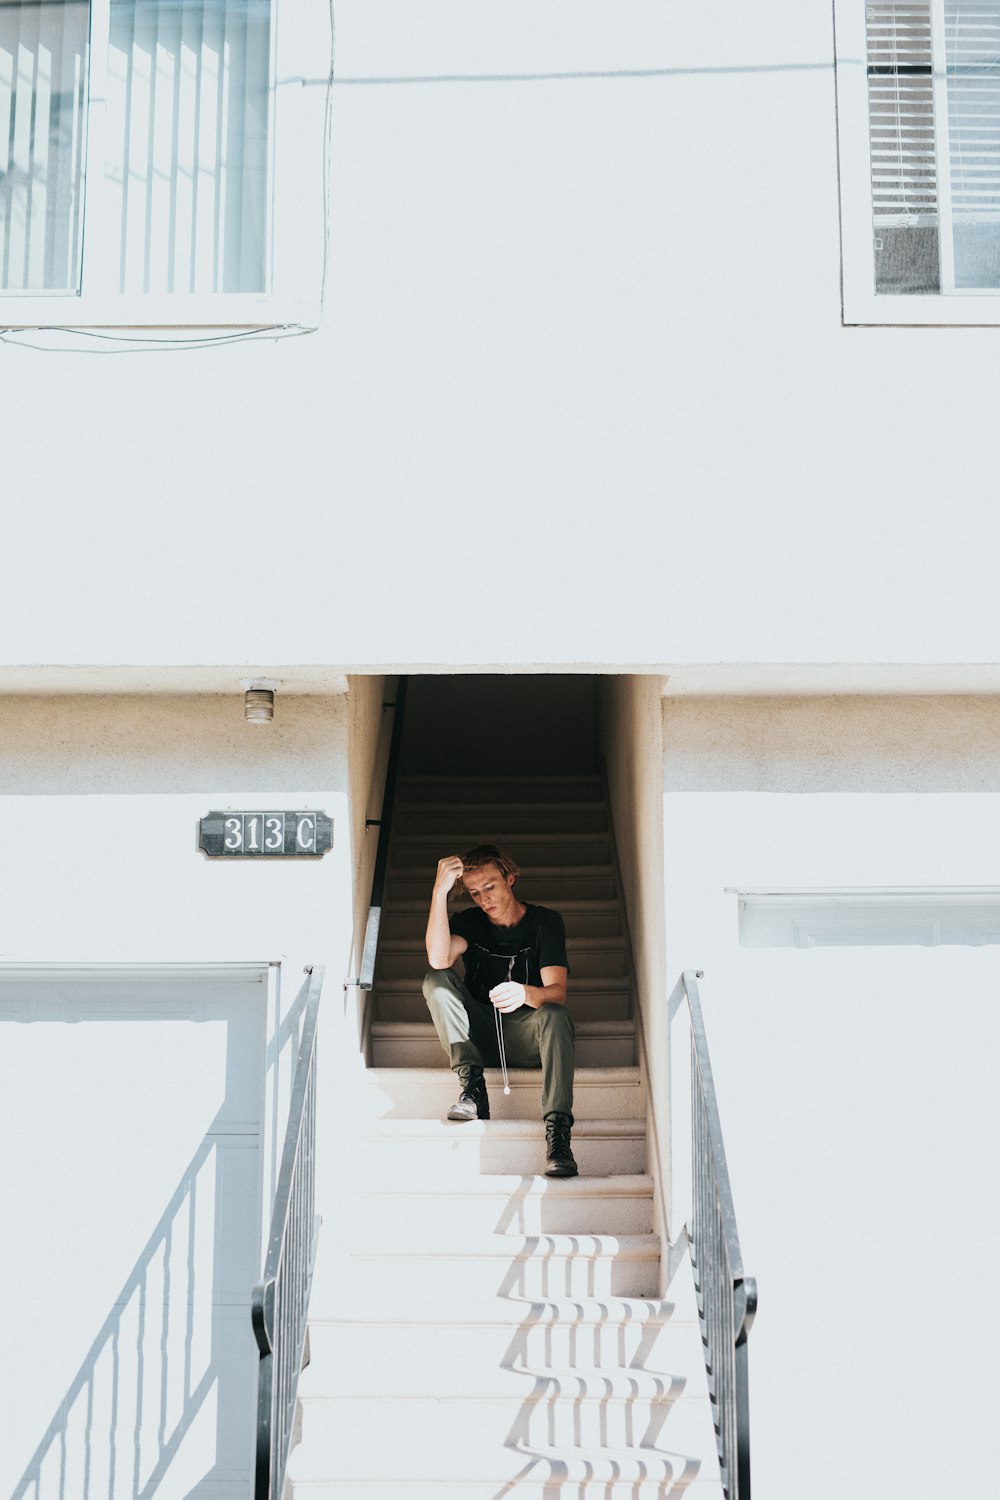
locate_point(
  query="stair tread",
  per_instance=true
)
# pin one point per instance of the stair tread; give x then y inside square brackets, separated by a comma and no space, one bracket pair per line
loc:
[442,836]
[511,1247]
[502,778]
[580,1464]
[452,807]
[426,1092]
[529,1486]
[521,1185]
[612,1383]
[419,1030]
[612,1077]
[529,1130]
[592,983]
[399,1306]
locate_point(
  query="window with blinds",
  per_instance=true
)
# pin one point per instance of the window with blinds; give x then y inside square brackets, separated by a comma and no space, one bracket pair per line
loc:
[933,77]
[135,147]
[43,94]
[187,143]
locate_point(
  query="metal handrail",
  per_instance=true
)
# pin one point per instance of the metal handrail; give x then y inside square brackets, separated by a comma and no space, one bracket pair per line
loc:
[727,1297]
[281,1298]
[366,978]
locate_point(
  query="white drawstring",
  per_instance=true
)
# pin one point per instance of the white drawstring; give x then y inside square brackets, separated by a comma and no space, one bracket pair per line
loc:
[500,1045]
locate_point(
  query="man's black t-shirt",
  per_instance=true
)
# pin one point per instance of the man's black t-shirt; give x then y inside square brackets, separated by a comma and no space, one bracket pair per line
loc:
[496,954]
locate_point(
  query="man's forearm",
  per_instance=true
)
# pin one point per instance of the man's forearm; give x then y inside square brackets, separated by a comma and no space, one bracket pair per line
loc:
[537,995]
[438,936]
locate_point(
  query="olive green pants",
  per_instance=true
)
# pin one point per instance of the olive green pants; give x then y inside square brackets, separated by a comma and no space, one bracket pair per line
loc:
[541,1038]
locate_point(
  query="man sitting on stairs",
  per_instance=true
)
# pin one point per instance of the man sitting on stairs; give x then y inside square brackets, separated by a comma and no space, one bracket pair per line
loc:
[513,996]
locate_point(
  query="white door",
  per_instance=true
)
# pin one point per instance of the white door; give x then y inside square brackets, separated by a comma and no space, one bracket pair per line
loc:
[130,1185]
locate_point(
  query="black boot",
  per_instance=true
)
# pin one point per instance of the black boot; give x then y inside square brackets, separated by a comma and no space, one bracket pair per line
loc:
[558,1156]
[473,1102]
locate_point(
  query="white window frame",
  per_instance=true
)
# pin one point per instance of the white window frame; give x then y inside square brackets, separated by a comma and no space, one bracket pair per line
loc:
[300,57]
[861,304]
[869,916]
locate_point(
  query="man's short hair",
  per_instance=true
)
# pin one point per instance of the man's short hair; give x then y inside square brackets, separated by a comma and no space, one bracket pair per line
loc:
[487,854]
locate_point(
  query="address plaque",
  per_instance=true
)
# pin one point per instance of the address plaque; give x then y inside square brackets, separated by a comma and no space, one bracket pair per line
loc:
[265,835]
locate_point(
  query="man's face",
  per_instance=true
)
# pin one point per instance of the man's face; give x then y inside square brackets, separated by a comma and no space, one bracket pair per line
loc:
[494,893]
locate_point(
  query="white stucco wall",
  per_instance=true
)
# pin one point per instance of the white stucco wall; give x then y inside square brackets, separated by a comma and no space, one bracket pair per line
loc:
[100,800]
[582,353]
[856,1085]
[632,743]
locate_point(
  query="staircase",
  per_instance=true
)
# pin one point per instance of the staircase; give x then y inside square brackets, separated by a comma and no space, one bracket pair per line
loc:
[557,830]
[494,1331]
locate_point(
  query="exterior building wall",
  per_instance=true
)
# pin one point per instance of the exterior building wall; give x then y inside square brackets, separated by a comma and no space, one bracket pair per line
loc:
[101,798]
[581,368]
[855,1084]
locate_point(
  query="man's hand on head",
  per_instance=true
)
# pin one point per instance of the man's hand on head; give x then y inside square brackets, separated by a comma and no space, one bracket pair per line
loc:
[509,996]
[449,871]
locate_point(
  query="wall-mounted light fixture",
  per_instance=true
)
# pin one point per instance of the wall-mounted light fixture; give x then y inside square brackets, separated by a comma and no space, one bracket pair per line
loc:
[258,699]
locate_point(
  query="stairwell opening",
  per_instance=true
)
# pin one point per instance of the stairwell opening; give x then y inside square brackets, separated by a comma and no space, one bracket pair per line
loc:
[518,760]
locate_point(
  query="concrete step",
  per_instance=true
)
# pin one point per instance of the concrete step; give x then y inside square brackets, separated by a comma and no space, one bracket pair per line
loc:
[537,1477]
[427,1093]
[546,884]
[502,789]
[537,1266]
[390,1381]
[538,1473]
[423,1353]
[422,851]
[489,822]
[587,919]
[590,999]
[436,1215]
[414,1044]
[637,1413]
[589,958]
[444,1150]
